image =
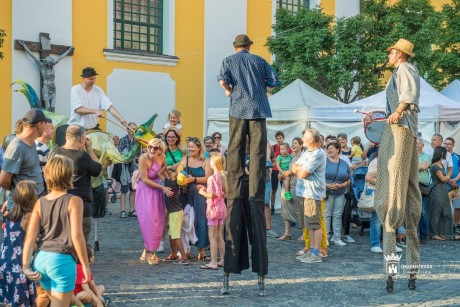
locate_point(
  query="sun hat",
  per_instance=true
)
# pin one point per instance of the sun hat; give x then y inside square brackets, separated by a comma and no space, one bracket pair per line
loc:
[405,46]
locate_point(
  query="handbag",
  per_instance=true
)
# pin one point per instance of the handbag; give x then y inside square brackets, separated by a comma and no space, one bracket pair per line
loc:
[366,202]
[424,189]
[335,177]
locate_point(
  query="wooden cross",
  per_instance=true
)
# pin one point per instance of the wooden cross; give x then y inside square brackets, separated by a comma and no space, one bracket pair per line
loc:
[44,48]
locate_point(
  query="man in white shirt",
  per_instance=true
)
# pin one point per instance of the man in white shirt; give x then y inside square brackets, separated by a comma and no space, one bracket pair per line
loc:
[88,100]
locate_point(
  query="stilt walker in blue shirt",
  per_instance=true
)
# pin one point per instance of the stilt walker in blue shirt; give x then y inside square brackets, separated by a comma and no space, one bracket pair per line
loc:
[246,79]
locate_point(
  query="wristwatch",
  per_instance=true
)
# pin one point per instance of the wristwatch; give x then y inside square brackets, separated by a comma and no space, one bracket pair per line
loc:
[194,181]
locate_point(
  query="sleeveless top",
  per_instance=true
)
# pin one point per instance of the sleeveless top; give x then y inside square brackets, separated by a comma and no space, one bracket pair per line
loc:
[55,226]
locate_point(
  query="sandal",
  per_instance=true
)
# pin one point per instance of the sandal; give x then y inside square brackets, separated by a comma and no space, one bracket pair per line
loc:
[203,257]
[171,258]
[285,237]
[153,260]
[455,238]
[436,237]
[142,257]
[220,264]
[123,215]
[132,213]
[207,267]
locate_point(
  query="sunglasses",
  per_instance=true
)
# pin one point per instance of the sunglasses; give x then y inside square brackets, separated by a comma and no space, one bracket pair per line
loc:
[217,137]
[153,147]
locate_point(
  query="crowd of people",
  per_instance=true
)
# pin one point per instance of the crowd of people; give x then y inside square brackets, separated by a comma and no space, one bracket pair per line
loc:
[199,192]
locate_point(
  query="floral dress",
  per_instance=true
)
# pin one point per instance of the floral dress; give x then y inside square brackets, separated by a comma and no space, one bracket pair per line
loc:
[15,288]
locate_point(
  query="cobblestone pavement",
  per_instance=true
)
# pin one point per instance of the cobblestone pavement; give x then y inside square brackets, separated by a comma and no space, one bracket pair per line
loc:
[351,275]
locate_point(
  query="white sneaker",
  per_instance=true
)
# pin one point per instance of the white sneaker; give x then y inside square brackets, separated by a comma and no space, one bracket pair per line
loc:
[161,248]
[376,249]
[398,249]
[339,242]
[312,259]
[300,252]
[349,239]
[304,256]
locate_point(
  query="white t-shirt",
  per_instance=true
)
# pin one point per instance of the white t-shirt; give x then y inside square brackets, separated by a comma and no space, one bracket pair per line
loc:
[372,168]
[167,125]
[94,99]
[446,163]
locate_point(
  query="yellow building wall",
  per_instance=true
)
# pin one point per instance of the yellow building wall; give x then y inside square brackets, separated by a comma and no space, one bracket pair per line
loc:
[189,72]
[259,22]
[6,69]
[89,42]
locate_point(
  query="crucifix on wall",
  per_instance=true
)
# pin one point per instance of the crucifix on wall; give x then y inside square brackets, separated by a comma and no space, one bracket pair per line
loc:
[46,65]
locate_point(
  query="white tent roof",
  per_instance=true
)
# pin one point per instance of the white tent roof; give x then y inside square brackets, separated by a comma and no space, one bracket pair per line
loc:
[452,90]
[298,94]
[433,107]
[292,103]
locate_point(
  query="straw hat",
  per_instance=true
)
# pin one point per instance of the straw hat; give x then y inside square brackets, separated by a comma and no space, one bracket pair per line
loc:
[405,46]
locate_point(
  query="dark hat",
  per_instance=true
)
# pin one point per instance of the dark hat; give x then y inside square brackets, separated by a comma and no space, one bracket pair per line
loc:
[242,40]
[34,116]
[88,72]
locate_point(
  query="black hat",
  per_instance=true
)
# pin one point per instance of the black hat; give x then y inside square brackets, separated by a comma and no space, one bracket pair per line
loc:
[88,72]
[242,40]
[34,116]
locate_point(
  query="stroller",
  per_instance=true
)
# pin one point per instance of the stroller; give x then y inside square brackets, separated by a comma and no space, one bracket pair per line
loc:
[361,218]
[113,189]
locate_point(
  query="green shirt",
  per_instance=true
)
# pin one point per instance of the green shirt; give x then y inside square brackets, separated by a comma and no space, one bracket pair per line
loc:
[177,154]
[284,162]
[424,175]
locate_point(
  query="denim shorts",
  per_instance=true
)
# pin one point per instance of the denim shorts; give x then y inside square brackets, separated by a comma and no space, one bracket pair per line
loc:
[268,191]
[59,271]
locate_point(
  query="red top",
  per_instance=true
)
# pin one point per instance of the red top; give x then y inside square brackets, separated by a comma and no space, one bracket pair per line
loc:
[79,281]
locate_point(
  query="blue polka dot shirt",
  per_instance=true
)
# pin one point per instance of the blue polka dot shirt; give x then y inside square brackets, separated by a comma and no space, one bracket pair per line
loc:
[248,75]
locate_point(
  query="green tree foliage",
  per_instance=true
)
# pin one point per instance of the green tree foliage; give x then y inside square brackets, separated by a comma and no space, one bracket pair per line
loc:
[2,35]
[345,58]
[448,45]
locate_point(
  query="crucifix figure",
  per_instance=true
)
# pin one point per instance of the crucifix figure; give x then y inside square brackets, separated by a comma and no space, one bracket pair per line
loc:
[46,65]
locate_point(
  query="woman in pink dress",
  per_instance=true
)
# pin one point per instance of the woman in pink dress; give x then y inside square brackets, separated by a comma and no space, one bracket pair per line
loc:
[150,204]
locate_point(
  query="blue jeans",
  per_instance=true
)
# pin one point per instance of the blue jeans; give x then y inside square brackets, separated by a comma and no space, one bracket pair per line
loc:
[424,223]
[375,230]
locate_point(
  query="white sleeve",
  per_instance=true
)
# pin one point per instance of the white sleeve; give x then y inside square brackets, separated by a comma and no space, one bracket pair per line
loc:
[75,100]
[346,159]
[104,100]
[449,160]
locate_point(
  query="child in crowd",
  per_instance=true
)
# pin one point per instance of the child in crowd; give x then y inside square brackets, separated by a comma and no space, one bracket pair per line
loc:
[59,244]
[216,211]
[175,217]
[15,289]
[356,150]
[282,163]
[85,290]
[173,122]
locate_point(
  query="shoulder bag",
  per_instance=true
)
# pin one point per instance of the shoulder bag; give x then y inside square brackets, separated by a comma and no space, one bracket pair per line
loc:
[366,202]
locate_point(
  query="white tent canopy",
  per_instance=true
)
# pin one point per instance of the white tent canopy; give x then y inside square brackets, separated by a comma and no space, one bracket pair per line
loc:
[452,90]
[298,106]
[290,109]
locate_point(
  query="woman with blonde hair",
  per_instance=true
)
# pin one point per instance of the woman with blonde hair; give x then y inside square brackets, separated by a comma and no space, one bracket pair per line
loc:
[199,170]
[150,204]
